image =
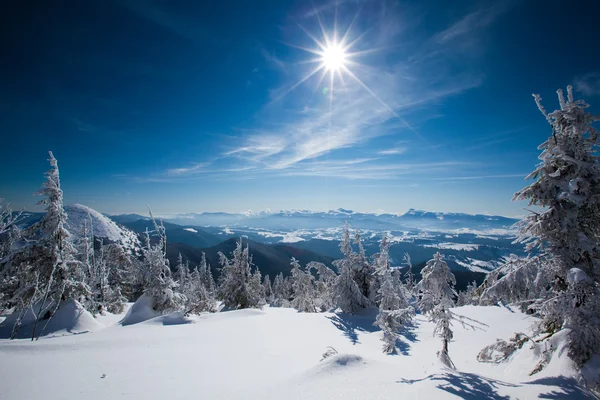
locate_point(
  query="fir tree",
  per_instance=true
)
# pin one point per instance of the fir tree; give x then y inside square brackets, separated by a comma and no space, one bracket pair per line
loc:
[436,290]
[566,187]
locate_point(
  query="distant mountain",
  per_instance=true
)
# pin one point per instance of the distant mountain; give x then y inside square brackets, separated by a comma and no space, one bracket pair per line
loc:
[191,236]
[124,218]
[271,259]
[304,219]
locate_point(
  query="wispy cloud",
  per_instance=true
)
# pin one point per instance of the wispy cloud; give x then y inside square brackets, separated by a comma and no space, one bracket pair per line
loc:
[474,177]
[588,84]
[473,21]
[393,151]
[193,169]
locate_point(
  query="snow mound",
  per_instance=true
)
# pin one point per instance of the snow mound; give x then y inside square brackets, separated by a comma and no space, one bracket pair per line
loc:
[70,318]
[141,311]
[78,216]
[337,364]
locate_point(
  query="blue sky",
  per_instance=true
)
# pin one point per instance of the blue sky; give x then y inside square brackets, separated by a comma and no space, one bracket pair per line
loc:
[199,106]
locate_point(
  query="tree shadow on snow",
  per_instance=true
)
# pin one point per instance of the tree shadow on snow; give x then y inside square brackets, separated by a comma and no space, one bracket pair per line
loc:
[566,388]
[351,324]
[407,334]
[466,385]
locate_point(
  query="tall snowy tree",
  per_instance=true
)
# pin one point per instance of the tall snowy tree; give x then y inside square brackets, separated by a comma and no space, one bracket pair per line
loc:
[567,189]
[235,288]
[351,290]
[436,291]
[282,291]
[268,289]
[323,285]
[48,271]
[304,294]
[394,310]
[206,275]
[9,230]
[160,286]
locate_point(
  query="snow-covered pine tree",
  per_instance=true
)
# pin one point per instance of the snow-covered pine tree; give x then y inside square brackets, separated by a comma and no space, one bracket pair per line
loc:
[268,287]
[566,187]
[234,282]
[467,296]
[257,290]
[206,275]
[181,274]
[349,292]
[9,230]
[410,280]
[46,269]
[364,273]
[436,291]
[281,291]
[394,310]
[323,285]
[159,285]
[303,289]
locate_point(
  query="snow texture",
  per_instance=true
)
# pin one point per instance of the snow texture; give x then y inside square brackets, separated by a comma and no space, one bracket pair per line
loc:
[275,354]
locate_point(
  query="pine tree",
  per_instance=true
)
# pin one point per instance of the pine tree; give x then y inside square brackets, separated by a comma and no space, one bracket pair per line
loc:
[47,270]
[281,291]
[566,187]
[394,310]
[268,289]
[160,286]
[303,289]
[235,287]
[436,290]
[351,290]
[324,285]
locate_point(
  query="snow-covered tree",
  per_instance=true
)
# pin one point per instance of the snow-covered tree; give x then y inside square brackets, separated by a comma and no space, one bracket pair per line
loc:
[282,291]
[159,285]
[303,289]
[235,287]
[352,288]
[206,275]
[410,279]
[268,287]
[467,296]
[436,291]
[323,285]
[46,269]
[9,230]
[566,225]
[394,310]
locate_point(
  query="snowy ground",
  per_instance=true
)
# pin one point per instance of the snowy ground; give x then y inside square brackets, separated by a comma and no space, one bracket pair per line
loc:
[275,354]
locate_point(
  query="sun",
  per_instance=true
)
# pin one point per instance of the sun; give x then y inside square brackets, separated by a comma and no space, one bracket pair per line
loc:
[333,57]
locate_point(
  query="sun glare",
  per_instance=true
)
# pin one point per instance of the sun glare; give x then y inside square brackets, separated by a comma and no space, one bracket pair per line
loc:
[333,57]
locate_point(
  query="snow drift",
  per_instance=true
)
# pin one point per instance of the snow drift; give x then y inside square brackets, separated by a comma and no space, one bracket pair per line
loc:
[70,318]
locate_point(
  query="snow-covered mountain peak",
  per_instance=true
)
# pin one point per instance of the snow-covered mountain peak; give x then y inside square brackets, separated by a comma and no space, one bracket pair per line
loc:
[79,217]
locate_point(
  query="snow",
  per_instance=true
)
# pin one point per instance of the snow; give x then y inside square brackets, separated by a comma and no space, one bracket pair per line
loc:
[190,230]
[70,318]
[454,246]
[78,215]
[275,353]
